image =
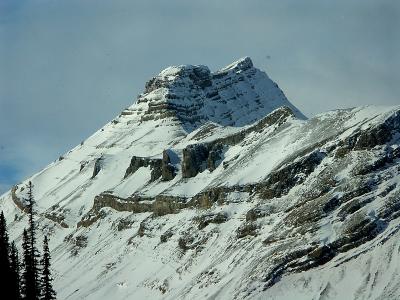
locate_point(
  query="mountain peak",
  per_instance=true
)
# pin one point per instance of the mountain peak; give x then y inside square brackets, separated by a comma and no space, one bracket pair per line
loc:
[236,95]
[172,72]
[241,64]
[182,70]
[177,75]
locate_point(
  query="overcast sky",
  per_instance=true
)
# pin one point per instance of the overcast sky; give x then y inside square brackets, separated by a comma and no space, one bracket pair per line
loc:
[69,66]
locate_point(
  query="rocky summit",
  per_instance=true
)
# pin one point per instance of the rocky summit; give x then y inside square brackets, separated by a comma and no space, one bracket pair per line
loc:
[212,185]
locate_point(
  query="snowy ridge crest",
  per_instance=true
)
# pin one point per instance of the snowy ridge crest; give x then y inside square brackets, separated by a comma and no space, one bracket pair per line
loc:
[236,95]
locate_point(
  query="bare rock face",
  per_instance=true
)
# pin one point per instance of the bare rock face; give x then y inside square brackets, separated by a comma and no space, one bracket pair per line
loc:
[207,219]
[198,157]
[194,158]
[166,236]
[159,167]
[97,166]
[281,181]
[259,212]
[214,157]
[198,75]
[167,168]
[138,162]
[378,135]
[246,229]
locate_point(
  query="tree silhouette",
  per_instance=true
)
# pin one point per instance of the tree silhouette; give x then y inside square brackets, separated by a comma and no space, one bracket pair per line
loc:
[5,267]
[31,284]
[15,272]
[48,292]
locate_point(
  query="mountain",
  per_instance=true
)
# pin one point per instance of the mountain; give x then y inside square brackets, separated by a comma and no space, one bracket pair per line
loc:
[214,186]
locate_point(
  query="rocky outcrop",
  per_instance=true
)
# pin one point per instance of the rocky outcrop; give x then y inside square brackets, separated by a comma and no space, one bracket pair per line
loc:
[76,243]
[246,229]
[385,156]
[166,236]
[198,157]
[192,241]
[311,257]
[159,206]
[259,212]
[159,167]
[198,75]
[183,78]
[83,165]
[193,159]
[207,219]
[283,179]
[123,224]
[214,157]
[18,202]
[167,168]
[373,136]
[378,135]
[57,218]
[90,218]
[138,162]
[97,167]
[208,198]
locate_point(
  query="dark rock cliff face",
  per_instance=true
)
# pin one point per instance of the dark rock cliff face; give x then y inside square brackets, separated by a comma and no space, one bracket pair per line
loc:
[379,135]
[138,162]
[97,166]
[167,168]
[214,157]
[373,136]
[198,157]
[207,219]
[193,78]
[282,180]
[194,158]
[159,167]
[199,76]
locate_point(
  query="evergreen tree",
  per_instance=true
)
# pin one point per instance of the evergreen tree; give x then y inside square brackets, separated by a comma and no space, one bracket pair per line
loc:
[48,292]
[15,272]
[25,278]
[31,284]
[5,267]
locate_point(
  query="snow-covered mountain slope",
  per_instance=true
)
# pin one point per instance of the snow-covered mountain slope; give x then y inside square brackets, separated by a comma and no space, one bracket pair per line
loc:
[214,186]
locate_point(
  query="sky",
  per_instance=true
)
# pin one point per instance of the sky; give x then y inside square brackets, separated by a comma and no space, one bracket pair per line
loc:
[67,67]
